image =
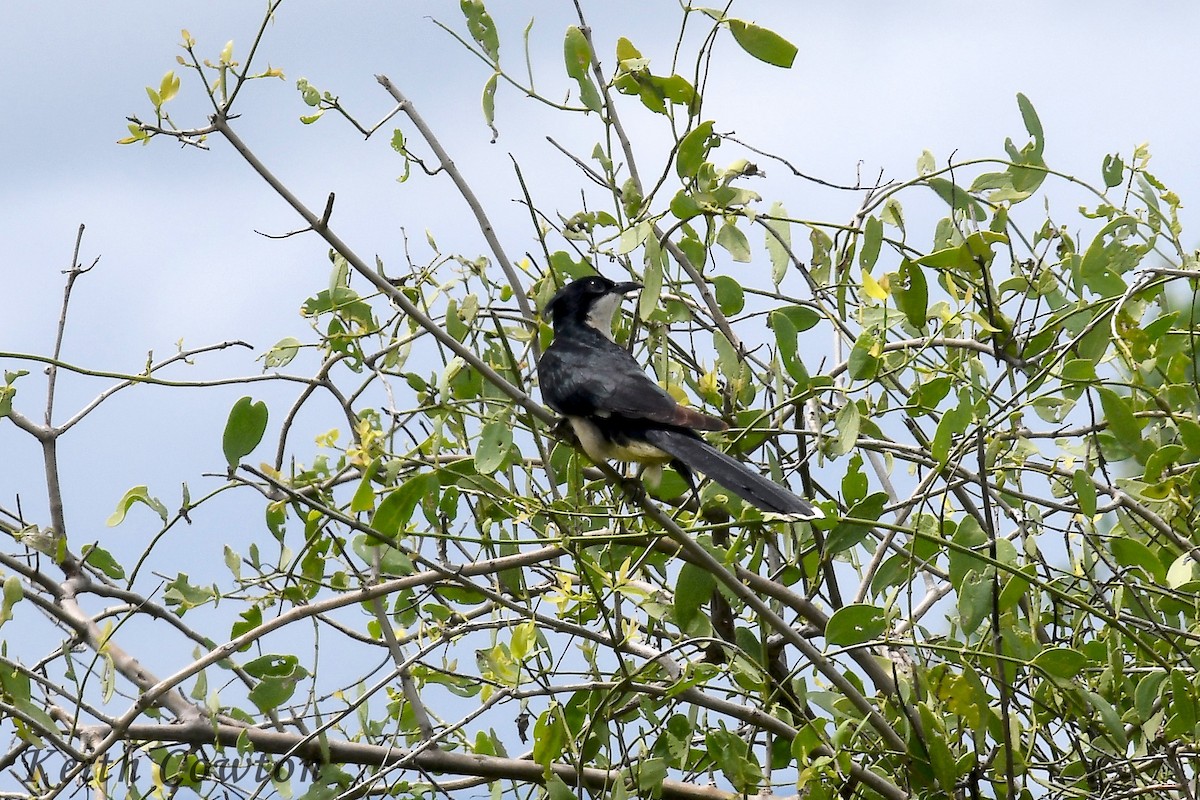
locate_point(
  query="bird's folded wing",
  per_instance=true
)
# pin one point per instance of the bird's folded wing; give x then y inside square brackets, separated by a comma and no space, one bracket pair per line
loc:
[603,380]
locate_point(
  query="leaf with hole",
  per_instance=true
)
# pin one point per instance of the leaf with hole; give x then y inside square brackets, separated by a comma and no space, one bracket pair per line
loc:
[854,624]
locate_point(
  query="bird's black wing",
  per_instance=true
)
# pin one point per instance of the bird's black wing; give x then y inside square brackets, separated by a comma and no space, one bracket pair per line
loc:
[597,378]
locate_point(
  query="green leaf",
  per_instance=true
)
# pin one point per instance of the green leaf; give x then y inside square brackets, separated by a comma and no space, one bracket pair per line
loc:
[911,293]
[953,424]
[941,759]
[787,342]
[494,444]
[8,391]
[272,692]
[693,150]
[1061,662]
[693,589]
[557,789]
[872,238]
[364,495]
[1085,491]
[16,688]
[850,532]
[1113,170]
[854,624]
[1110,718]
[482,28]
[103,560]
[1147,693]
[802,318]
[763,44]
[247,621]
[489,102]
[397,508]
[282,353]
[13,594]
[549,736]
[734,241]
[779,241]
[182,595]
[864,361]
[927,394]
[1032,124]
[957,198]
[1121,421]
[974,600]
[138,494]
[1104,260]
[1133,554]
[848,422]
[730,297]
[244,430]
[578,58]
[684,206]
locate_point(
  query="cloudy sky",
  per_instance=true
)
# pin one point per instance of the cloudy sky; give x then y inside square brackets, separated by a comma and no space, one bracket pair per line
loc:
[873,86]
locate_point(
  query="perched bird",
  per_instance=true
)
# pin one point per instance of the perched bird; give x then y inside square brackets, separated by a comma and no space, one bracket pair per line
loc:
[617,412]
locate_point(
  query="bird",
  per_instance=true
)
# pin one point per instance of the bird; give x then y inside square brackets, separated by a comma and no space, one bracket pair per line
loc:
[618,413]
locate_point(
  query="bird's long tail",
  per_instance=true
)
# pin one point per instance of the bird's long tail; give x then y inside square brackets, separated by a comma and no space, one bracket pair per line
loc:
[746,483]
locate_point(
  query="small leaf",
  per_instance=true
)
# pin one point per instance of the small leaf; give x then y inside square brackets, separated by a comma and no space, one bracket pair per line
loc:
[103,560]
[549,736]
[489,102]
[482,28]
[1113,170]
[364,495]
[693,589]
[864,357]
[169,86]
[957,198]
[282,353]
[848,422]
[730,297]
[734,241]
[1085,491]
[911,293]
[693,150]
[763,44]
[779,241]
[397,508]
[138,494]
[13,594]
[1133,554]
[1121,421]
[493,447]
[974,600]
[854,624]
[941,759]
[1110,718]
[1032,124]
[578,58]
[244,430]
[1061,662]
[872,238]
[786,341]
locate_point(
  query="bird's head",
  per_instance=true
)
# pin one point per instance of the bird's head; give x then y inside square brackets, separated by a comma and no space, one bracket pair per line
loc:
[590,301]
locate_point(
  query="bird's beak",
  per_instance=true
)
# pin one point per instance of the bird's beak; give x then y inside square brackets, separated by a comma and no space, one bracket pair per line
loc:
[627,287]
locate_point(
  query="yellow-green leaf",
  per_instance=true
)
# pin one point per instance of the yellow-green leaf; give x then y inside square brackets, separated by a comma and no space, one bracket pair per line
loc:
[763,44]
